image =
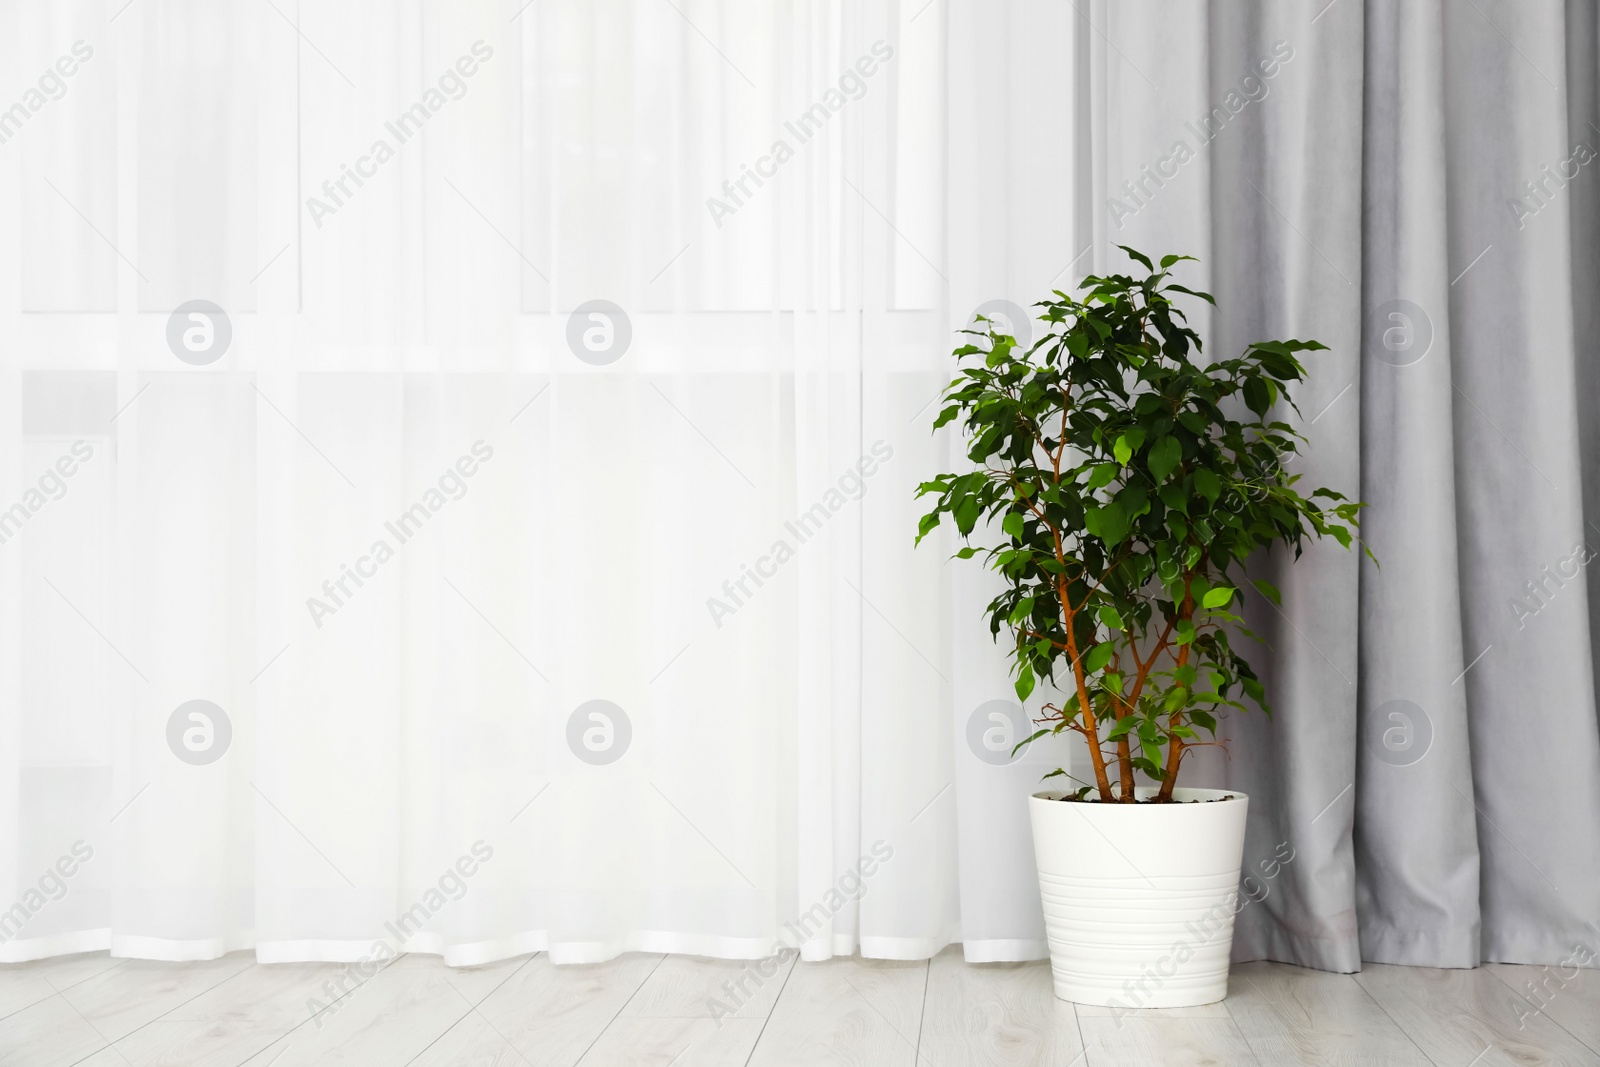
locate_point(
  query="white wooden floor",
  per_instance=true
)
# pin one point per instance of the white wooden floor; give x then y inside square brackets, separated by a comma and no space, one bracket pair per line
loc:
[646,1009]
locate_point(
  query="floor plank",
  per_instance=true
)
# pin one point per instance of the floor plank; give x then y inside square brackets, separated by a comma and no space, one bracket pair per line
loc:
[392,1017]
[999,1014]
[671,1042]
[22,984]
[848,1012]
[106,1057]
[119,1000]
[545,1015]
[1218,1010]
[231,1022]
[1461,1016]
[1186,1041]
[49,1033]
[1571,999]
[1291,1015]
[471,1041]
[684,987]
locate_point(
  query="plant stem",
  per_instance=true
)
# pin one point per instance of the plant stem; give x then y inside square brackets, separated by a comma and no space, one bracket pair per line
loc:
[1125,765]
[1091,726]
[1124,751]
[1174,742]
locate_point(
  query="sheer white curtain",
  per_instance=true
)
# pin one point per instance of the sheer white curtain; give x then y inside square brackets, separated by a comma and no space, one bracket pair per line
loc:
[520,622]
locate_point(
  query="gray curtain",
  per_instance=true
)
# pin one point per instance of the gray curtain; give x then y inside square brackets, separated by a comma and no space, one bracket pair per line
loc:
[1435,764]
[1415,183]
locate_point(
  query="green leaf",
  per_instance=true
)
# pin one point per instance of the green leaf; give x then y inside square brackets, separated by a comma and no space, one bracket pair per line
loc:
[1207,297]
[1013,524]
[1122,450]
[1219,597]
[966,514]
[1207,484]
[1030,739]
[1173,497]
[1098,656]
[1268,590]
[1000,353]
[1108,617]
[1140,256]
[1164,456]
[1256,397]
[1109,523]
[1120,728]
[1022,611]
[1024,684]
[1101,474]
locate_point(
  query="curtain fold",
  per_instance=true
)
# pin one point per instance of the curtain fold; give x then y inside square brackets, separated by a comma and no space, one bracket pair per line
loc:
[457,466]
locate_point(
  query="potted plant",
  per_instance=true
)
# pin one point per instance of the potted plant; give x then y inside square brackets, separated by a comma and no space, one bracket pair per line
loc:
[1129,484]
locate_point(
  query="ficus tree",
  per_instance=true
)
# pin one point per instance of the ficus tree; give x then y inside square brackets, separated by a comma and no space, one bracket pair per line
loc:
[1127,484]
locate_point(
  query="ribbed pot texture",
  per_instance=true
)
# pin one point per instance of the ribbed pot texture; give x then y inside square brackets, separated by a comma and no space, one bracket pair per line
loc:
[1139,899]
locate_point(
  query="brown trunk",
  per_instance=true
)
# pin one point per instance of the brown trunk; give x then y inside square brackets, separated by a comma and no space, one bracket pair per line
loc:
[1174,754]
[1124,708]
[1091,727]
[1125,763]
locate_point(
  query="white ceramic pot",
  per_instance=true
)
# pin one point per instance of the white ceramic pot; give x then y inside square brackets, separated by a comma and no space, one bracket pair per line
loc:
[1139,899]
